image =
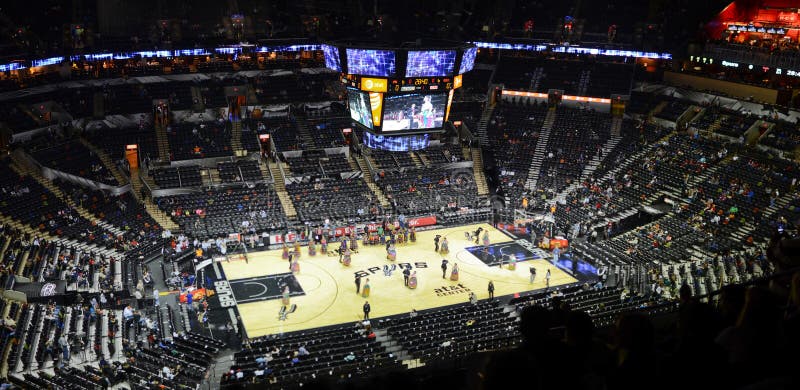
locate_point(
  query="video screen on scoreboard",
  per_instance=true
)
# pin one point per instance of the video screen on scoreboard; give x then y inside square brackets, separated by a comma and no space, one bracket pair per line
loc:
[414,111]
[332,57]
[369,62]
[433,63]
[396,143]
[468,60]
[359,107]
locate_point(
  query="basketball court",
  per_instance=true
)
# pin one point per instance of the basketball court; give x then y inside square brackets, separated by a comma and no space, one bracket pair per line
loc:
[325,293]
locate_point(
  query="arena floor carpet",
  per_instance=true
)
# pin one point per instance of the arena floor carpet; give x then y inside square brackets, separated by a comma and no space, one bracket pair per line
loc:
[325,293]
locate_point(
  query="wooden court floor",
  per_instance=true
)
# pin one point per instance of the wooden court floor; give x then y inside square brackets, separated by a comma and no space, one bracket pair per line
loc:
[330,293]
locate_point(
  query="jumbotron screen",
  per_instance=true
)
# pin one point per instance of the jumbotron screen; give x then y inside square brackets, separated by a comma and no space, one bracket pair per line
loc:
[360,108]
[436,63]
[413,111]
[468,60]
[332,60]
[370,62]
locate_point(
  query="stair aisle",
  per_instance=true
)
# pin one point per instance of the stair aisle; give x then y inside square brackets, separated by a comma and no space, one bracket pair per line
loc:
[236,137]
[369,179]
[541,148]
[477,169]
[163,143]
[483,124]
[280,189]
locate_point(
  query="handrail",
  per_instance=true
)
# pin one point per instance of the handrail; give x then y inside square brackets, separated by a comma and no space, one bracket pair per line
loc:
[369,166]
[280,169]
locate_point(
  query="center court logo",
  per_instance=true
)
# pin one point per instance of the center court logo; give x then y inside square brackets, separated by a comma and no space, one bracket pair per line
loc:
[401,266]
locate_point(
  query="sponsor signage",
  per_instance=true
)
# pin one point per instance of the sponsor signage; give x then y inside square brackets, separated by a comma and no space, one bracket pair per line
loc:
[444,291]
[373,84]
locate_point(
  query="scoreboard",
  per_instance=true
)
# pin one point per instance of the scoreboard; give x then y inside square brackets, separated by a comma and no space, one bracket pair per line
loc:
[399,85]
[400,91]
[418,84]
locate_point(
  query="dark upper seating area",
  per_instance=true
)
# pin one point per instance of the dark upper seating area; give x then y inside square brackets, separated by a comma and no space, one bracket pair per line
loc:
[199,140]
[174,177]
[283,86]
[75,158]
[391,160]
[517,72]
[442,153]
[641,103]
[607,78]
[249,139]
[17,118]
[113,141]
[335,164]
[468,111]
[723,121]
[127,99]
[307,164]
[576,136]
[283,131]
[673,110]
[574,77]
[239,171]
[513,135]
[327,133]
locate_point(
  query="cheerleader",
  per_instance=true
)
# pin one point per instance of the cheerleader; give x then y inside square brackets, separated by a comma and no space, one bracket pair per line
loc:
[445,247]
[346,257]
[312,248]
[405,236]
[285,296]
[413,235]
[412,280]
[295,266]
[365,290]
[353,242]
[486,238]
[391,252]
[400,237]
[324,246]
[297,248]
[285,254]
[454,273]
